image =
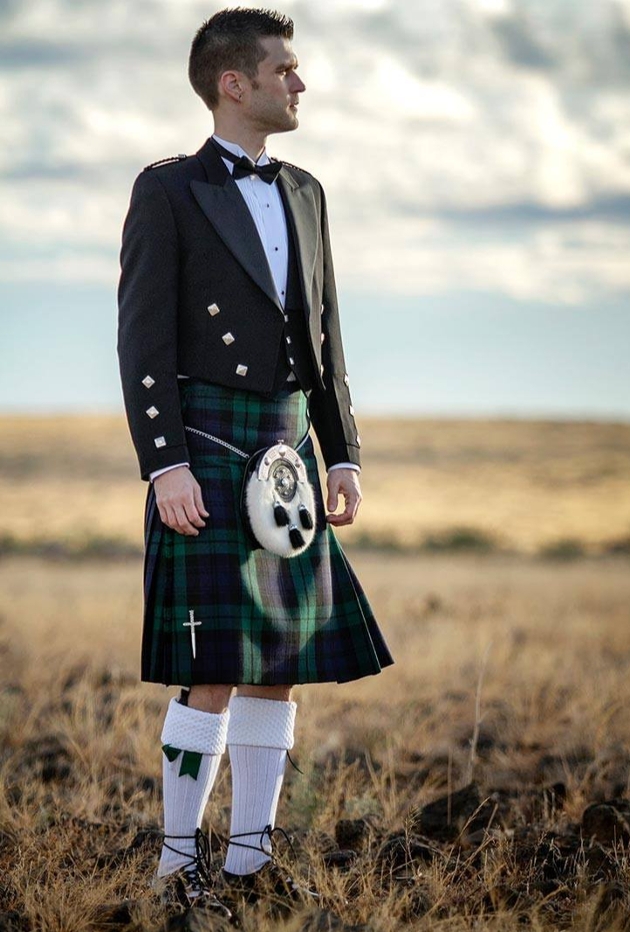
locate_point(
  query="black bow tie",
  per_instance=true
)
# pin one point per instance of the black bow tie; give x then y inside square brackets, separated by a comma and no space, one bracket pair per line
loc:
[244,166]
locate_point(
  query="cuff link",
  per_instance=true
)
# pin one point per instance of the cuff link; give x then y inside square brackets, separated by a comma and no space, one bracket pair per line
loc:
[152,411]
[227,338]
[241,369]
[148,381]
[160,442]
[288,339]
[213,310]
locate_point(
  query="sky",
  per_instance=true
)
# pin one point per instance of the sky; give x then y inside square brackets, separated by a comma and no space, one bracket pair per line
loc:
[476,160]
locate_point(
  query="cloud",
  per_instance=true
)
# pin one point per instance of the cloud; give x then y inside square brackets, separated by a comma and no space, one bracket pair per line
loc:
[482,142]
[520,43]
[567,263]
[37,54]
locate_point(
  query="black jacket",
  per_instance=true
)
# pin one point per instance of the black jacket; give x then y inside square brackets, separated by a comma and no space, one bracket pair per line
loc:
[194,271]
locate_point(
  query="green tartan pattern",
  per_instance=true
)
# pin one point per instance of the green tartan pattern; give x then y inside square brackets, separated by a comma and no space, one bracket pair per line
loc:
[259,618]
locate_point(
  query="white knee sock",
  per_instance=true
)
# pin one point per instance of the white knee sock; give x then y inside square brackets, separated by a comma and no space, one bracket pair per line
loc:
[185,797]
[259,735]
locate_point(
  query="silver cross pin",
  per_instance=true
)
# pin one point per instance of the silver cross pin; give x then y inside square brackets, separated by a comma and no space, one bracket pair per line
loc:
[192,624]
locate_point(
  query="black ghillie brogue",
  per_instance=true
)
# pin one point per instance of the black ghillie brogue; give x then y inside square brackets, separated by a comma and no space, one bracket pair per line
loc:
[192,884]
[272,883]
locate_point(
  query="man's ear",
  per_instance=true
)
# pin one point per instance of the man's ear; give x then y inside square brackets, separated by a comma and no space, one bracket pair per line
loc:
[231,85]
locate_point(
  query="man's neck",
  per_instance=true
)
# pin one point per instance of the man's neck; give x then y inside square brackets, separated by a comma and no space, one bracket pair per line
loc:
[250,141]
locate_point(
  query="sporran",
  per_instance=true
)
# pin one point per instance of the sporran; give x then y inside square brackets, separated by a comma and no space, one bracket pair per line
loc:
[277,499]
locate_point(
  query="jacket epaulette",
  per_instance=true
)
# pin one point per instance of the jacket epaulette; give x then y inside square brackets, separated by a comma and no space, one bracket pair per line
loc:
[291,165]
[172,158]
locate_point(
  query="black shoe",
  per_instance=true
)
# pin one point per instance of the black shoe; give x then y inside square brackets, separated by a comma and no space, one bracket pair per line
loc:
[183,889]
[192,885]
[272,884]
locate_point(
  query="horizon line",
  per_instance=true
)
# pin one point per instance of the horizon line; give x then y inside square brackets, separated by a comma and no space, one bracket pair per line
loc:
[541,415]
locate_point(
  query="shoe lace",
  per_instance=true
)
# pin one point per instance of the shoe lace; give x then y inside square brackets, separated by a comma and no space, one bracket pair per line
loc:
[197,870]
[294,765]
[267,832]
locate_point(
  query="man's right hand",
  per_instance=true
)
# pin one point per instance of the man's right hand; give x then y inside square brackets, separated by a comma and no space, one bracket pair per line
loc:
[179,501]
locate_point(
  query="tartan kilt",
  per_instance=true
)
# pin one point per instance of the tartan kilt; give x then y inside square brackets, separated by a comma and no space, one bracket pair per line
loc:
[259,618]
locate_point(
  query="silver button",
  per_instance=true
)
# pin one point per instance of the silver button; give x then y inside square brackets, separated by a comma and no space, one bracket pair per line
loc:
[241,369]
[291,361]
[213,309]
[286,318]
[288,339]
[351,410]
[152,411]
[227,338]
[322,338]
[148,381]
[346,380]
[322,309]
[160,442]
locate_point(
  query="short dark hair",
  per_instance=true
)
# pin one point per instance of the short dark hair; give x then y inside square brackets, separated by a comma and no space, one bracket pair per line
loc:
[230,40]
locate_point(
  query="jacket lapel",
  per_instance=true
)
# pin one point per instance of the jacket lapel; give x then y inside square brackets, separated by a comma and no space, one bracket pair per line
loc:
[223,205]
[302,224]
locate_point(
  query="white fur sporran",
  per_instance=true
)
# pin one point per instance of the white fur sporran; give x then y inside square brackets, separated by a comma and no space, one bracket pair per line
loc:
[278,501]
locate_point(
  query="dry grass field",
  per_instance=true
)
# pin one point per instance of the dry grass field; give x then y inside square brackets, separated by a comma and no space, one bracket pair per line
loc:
[515,485]
[482,783]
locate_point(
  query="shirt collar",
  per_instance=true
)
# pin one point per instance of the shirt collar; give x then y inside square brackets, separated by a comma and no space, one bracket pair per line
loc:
[237,150]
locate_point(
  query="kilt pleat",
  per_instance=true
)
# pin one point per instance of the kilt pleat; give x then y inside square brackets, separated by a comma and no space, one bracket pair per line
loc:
[258,618]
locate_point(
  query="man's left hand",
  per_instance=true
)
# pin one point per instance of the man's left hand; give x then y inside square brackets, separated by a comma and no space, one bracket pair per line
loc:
[343,482]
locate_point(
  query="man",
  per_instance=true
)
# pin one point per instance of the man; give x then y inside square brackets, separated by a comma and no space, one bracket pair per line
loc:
[229,342]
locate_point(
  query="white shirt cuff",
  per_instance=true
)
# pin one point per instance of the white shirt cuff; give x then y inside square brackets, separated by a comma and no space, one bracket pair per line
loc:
[158,472]
[345,466]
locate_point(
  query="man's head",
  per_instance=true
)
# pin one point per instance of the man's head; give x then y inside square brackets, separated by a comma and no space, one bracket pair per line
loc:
[243,58]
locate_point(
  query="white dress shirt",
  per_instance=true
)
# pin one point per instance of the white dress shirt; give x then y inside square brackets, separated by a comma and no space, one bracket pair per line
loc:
[265,205]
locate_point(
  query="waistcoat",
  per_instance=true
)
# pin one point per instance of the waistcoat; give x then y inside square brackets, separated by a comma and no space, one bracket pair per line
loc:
[295,353]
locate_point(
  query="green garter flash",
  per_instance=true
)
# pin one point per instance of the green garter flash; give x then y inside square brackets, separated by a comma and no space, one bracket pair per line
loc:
[191,760]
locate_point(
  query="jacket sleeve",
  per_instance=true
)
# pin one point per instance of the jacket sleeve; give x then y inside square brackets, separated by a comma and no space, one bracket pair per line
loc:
[147,327]
[330,407]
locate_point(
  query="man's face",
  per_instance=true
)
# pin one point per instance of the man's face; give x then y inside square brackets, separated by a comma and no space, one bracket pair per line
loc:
[274,94]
